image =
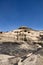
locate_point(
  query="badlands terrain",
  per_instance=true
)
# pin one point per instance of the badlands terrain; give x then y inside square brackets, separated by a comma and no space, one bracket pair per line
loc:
[23,46]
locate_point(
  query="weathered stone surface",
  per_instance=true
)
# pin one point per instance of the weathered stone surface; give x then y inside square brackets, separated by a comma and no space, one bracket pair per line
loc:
[23,46]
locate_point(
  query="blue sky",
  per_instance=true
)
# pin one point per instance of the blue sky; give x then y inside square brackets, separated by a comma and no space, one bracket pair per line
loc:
[16,13]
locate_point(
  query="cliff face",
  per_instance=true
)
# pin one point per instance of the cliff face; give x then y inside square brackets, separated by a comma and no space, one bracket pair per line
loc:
[20,43]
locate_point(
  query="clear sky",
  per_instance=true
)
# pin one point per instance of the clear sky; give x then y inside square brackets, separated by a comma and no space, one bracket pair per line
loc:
[16,13]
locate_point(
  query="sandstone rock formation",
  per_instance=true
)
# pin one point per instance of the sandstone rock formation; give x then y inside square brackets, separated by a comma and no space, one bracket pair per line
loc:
[23,46]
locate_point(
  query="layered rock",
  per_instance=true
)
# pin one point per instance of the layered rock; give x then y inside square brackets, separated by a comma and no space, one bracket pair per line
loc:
[20,44]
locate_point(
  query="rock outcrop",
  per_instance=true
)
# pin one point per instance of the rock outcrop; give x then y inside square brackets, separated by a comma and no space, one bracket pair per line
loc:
[23,46]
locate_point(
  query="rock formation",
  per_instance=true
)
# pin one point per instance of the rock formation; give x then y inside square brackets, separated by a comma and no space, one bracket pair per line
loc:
[23,46]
